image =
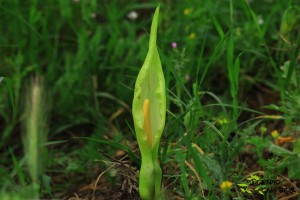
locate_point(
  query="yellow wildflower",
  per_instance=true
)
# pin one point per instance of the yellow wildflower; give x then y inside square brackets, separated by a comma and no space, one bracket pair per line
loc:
[192,35]
[225,186]
[187,11]
[275,134]
[223,121]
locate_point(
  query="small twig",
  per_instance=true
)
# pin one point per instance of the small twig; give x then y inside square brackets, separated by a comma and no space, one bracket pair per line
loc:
[112,166]
[123,163]
[128,177]
[294,185]
[197,175]
[171,183]
[99,177]
[111,158]
[289,197]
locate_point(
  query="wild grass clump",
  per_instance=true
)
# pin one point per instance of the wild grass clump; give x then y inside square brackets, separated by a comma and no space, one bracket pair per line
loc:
[232,99]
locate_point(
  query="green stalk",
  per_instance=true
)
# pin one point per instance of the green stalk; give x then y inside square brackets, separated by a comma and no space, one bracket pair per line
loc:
[149,113]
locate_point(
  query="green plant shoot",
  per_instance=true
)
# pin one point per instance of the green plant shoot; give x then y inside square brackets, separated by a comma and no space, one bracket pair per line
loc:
[9,89]
[149,114]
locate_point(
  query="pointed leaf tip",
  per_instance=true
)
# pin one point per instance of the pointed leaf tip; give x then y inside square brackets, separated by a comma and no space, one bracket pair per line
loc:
[154,25]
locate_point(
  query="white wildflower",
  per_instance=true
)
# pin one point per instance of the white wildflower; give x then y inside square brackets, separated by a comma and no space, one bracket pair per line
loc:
[133,15]
[260,20]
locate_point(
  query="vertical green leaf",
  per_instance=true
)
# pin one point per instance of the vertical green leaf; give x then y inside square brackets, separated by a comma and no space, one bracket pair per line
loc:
[290,19]
[150,84]
[149,113]
[9,89]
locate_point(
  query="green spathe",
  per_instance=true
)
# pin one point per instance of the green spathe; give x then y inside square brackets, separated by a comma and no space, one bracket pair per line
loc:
[149,113]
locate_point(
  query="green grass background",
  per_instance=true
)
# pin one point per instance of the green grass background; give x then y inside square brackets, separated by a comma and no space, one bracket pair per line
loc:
[233,78]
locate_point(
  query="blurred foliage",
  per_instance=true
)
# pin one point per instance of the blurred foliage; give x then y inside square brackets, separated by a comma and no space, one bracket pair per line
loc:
[89,54]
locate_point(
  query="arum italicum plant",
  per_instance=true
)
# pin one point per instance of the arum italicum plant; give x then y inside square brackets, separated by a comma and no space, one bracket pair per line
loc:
[149,114]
